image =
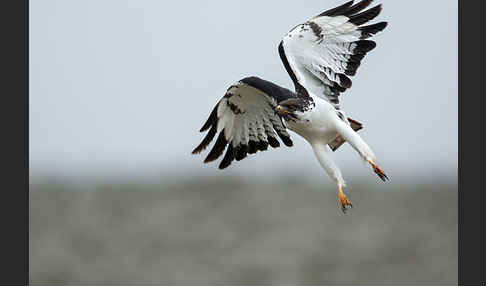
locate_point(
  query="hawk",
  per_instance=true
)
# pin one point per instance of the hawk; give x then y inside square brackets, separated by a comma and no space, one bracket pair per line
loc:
[319,55]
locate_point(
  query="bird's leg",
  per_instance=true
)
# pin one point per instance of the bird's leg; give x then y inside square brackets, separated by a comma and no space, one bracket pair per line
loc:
[378,171]
[344,202]
[359,145]
[322,154]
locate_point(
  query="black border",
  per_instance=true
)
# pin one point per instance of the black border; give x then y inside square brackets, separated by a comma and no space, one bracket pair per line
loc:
[15,131]
[471,235]
[460,248]
[460,103]
[15,203]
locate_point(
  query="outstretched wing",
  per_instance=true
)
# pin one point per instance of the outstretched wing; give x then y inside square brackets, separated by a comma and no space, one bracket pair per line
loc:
[245,121]
[321,53]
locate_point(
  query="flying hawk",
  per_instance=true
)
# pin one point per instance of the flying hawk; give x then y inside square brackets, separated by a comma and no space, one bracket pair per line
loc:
[319,56]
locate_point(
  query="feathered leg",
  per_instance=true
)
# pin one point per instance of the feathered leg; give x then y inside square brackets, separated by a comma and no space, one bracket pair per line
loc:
[359,145]
[322,154]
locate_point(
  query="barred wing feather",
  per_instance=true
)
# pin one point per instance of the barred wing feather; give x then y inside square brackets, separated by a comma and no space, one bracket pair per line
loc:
[245,121]
[321,53]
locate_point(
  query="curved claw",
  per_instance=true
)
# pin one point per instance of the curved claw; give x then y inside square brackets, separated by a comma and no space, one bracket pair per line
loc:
[344,203]
[346,206]
[379,172]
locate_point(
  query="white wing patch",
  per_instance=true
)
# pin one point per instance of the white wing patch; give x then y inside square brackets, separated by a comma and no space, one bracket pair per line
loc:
[253,114]
[245,121]
[325,50]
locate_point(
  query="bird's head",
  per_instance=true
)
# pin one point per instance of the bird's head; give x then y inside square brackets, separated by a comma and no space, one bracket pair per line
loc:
[288,107]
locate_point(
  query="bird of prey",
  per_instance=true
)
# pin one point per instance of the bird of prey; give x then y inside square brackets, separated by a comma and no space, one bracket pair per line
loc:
[319,55]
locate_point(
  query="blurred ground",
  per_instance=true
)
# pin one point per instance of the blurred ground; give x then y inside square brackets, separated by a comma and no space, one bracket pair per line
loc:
[228,231]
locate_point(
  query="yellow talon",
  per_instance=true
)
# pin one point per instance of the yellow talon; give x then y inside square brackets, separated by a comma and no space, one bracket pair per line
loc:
[379,171]
[344,202]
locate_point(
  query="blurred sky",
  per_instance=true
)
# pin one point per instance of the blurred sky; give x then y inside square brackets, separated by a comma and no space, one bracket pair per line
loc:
[122,87]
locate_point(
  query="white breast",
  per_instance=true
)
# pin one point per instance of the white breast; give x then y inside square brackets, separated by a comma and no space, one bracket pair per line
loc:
[316,124]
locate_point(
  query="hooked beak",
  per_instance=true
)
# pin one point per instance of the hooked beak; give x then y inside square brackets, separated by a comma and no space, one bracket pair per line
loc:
[282,110]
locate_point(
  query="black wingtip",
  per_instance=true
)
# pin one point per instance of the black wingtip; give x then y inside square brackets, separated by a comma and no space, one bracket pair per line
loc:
[205,142]
[370,30]
[273,142]
[228,157]
[287,141]
[344,81]
[218,148]
[349,10]
[252,147]
[212,119]
[358,7]
[337,10]
[364,46]
[240,152]
[262,145]
[365,16]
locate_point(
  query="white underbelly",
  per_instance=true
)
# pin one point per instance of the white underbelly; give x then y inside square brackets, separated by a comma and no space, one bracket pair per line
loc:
[317,124]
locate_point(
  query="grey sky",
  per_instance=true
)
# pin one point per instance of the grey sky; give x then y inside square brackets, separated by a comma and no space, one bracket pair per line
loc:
[122,87]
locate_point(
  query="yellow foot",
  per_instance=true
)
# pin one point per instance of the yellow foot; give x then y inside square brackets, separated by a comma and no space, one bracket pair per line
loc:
[344,202]
[379,171]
